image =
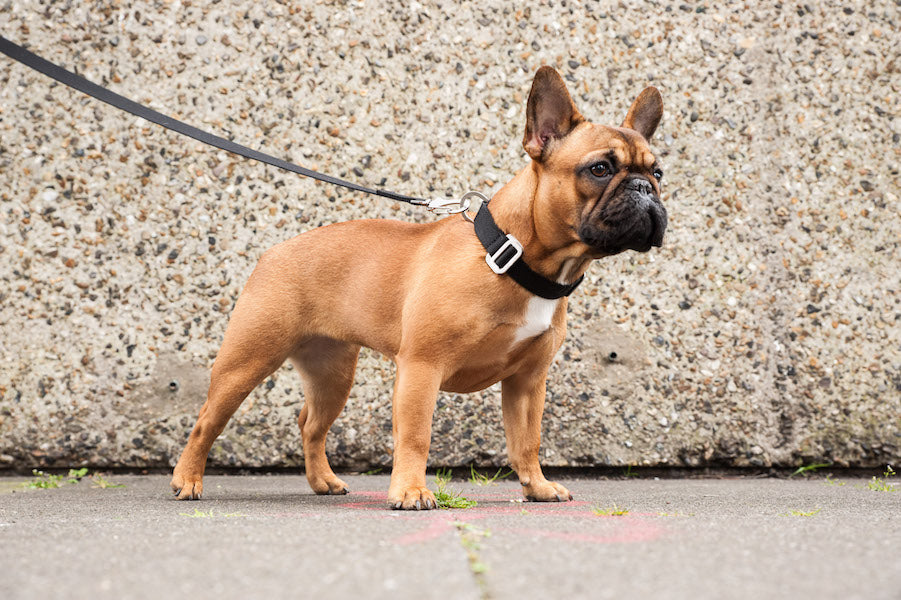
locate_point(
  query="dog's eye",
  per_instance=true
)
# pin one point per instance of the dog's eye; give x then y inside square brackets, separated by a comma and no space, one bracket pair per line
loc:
[658,173]
[600,169]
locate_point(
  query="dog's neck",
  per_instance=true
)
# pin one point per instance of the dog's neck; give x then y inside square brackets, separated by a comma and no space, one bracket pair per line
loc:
[513,209]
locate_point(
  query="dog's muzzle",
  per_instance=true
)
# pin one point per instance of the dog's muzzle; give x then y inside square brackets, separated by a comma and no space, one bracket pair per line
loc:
[632,219]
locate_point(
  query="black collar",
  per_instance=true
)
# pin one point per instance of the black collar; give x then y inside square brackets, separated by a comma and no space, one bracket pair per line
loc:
[505,257]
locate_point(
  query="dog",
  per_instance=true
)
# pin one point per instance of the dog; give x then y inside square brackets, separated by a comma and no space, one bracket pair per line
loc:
[423,295]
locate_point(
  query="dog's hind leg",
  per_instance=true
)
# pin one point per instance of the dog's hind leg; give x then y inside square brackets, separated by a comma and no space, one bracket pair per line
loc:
[327,367]
[250,352]
[230,383]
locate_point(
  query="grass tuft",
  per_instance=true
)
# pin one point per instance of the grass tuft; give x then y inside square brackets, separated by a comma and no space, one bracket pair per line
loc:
[477,478]
[470,538]
[100,482]
[446,498]
[628,472]
[612,511]
[800,513]
[884,483]
[76,475]
[805,469]
[43,480]
[46,481]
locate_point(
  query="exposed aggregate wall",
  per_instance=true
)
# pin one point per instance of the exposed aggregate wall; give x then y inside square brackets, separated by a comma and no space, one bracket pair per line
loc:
[765,332]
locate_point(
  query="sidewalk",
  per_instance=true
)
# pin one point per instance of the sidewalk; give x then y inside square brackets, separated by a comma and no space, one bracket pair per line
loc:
[270,537]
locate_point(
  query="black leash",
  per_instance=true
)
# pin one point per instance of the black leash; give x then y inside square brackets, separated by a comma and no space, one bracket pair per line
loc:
[81,84]
[504,251]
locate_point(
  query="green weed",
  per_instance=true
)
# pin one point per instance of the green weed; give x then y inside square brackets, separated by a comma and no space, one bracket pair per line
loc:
[76,475]
[805,469]
[43,480]
[373,471]
[477,478]
[470,538]
[830,480]
[100,482]
[446,498]
[883,484]
[628,472]
[47,481]
[613,511]
[800,513]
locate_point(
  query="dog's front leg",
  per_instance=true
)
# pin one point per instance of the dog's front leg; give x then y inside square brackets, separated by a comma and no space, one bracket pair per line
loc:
[415,392]
[523,404]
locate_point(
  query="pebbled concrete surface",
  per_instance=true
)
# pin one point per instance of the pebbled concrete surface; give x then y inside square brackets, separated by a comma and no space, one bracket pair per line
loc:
[269,536]
[765,332]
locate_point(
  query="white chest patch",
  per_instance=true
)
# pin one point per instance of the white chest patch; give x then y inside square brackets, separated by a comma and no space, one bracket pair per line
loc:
[539,313]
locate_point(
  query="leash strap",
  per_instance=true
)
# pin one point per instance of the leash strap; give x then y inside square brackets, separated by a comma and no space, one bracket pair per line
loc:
[505,257]
[504,251]
[81,84]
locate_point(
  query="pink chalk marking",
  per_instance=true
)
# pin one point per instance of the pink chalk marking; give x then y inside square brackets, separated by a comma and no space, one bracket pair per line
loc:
[438,527]
[629,529]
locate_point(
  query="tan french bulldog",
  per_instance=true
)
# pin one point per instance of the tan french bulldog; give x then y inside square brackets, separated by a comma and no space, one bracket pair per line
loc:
[423,295]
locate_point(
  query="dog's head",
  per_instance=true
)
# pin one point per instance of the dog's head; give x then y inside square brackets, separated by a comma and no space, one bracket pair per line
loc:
[600,185]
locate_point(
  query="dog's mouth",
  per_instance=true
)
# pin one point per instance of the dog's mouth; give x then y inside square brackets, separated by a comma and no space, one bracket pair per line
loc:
[658,217]
[634,219]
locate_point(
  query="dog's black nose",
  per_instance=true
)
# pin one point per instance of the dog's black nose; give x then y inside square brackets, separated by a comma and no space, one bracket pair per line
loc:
[640,185]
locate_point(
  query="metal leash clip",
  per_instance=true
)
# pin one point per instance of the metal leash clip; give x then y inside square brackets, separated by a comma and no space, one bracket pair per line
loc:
[449,206]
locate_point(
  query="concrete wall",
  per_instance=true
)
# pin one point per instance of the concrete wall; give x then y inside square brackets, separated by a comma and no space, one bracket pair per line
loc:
[765,332]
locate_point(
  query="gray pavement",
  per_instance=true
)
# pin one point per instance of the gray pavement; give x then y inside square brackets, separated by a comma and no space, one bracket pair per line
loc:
[269,536]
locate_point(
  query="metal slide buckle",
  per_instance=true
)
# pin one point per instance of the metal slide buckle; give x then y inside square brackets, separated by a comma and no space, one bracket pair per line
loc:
[491,259]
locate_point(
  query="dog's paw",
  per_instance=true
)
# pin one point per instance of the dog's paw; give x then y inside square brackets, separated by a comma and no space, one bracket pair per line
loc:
[185,487]
[413,498]
[329,486]
[546,491]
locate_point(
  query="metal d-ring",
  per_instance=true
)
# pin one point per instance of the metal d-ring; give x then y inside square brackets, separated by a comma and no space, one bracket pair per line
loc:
[465,199]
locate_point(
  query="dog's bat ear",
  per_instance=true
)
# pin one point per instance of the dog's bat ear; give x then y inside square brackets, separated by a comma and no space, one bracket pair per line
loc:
[646,112]
[550,112]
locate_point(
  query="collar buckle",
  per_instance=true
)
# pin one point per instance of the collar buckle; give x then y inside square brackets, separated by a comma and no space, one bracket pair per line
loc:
[508,253]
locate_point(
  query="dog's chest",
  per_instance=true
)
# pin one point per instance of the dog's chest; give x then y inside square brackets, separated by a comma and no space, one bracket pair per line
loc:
[539,313]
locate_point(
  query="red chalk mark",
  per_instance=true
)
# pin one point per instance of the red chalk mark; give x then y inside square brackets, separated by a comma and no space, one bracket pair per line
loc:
[439,526]
[627,529]
[377,500]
